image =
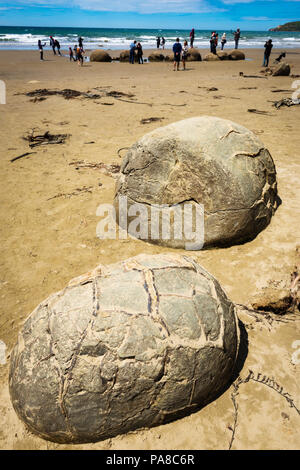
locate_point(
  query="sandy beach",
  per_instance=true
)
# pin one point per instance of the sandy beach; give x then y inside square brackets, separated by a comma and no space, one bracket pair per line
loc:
[48,220]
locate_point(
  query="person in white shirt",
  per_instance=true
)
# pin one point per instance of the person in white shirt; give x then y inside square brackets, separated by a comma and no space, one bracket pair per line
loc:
[223,41]
[184,53]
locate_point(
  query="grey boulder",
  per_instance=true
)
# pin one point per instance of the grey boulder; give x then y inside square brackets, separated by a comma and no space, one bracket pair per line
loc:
[205,161]
[129,345]
[236,54]
[193,55]
[156,57]
[210,57]
[100,56]
[281,70]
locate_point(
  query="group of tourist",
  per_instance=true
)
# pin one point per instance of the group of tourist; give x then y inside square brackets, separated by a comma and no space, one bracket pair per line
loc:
[75,54]
[134,46]
[160,41]
[214,39]
[136,50]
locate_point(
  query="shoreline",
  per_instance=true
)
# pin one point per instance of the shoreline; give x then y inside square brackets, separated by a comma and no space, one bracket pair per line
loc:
[249,53]
[48,219]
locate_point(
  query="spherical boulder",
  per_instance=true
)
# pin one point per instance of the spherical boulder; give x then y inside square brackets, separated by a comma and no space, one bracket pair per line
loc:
[211,57]
[193,55]
[281,70]
[100,56]
[124,56]
[205,162]
[222,55]
[156,57]
[129,345]
[236,54]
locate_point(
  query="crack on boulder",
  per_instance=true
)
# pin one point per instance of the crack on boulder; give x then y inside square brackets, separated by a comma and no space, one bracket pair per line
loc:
[229,132]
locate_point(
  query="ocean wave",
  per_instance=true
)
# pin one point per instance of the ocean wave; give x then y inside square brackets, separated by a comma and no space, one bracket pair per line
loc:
[116,40]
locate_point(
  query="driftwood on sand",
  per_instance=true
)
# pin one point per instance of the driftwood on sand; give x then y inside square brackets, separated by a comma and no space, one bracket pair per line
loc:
[21,156]
[67,93]
[257,111]
[45,139]
[284,102]
[109,170]
[151,119]
[76,192]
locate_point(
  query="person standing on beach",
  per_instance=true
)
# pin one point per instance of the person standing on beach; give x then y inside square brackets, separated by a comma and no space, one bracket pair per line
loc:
[216,40]
[140,53]
[52,44]
[223,41]
[132,52]
[268,47]
[192,37]
[79,56]
[40,46]
[213,43]
[80,40]
[75,53]
[158,42]
[163,42]
[57,45]
[184,53]
[237,35]
[177,48]
[71,54]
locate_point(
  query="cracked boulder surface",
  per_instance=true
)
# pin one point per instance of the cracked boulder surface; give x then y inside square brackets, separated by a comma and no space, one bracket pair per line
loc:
[129,345]
[202,160]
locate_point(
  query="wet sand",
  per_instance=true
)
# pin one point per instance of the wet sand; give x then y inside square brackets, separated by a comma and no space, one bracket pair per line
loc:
[48,220]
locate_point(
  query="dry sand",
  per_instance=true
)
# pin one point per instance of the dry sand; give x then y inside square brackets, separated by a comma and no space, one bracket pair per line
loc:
[48,235]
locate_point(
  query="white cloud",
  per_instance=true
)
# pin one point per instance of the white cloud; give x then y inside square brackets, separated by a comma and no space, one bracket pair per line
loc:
[10,8]
[233,2]
[146,6]
[257,18]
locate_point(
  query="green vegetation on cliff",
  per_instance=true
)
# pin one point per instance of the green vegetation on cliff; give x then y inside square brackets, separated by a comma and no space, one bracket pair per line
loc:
[292,26]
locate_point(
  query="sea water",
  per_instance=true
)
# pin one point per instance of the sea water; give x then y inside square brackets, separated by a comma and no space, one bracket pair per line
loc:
[19,37]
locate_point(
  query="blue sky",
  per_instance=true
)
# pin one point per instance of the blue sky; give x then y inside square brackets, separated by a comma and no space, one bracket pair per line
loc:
[203,14]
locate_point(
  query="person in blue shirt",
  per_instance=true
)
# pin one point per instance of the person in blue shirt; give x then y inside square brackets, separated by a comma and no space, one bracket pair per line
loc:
[177,48]
[131,52]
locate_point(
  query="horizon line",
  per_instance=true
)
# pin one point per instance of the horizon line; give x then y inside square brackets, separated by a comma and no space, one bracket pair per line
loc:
[113,27]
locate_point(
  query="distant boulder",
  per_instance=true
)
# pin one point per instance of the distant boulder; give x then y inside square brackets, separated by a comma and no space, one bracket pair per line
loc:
[236,55]
[124,56]
[193,55]
[222,55]
[282,69]
[100,56]
[211,57]
[156,57]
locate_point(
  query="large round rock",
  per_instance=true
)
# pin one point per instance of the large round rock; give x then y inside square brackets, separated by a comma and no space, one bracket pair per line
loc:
[210,57]
[193,55]
[236,54]
[100,56]
[156,57]
[205,161]
[129,345]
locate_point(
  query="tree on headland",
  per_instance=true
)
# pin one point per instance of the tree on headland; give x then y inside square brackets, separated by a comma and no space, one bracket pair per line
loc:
[292,26]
